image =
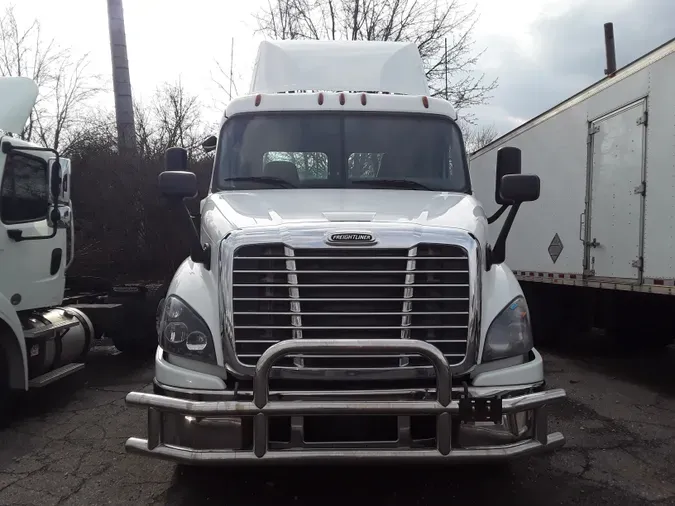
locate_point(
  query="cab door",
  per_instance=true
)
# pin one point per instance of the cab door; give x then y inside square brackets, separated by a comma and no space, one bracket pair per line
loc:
[31,262]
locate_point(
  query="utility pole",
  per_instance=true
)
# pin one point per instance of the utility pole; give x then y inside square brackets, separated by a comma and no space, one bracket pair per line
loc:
[231,67]
[124,113]
[124,105]
[446,68]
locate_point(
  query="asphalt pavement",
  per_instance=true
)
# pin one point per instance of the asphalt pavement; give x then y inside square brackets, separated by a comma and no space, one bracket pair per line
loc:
[65,446]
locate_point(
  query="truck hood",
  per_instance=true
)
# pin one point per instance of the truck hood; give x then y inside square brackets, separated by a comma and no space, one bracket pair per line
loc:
[18,98]
[243,209]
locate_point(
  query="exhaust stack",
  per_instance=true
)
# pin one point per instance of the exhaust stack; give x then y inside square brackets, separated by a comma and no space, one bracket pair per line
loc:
[610,51]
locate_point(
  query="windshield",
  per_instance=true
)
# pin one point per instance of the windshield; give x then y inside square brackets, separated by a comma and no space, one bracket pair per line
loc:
[347,150]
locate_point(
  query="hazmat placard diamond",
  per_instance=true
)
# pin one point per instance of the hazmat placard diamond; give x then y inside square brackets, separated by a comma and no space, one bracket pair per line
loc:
[555,248]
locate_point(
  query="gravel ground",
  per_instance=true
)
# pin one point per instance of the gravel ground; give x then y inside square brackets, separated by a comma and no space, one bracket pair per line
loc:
[65,447]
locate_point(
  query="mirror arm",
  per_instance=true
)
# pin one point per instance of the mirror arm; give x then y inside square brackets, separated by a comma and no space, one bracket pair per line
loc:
[497,214]
[200,253]
[497,254]
[55,215]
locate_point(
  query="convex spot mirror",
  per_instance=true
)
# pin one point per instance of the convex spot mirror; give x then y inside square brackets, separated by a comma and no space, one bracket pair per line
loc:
[178,185]
[210,144]
[520,188]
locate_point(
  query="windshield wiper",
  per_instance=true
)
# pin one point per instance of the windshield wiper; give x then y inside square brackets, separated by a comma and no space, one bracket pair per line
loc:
[273,181]
[393,183]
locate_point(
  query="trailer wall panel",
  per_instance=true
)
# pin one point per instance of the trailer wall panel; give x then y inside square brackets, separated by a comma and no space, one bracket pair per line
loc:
[557,146]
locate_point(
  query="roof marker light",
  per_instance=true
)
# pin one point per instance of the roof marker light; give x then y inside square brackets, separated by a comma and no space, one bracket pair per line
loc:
[320,98]
[342,99]
[425,101]
[258,98]
[363,99]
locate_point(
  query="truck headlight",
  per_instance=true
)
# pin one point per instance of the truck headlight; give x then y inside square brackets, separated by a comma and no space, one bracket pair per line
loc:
[510,334]
[183,332]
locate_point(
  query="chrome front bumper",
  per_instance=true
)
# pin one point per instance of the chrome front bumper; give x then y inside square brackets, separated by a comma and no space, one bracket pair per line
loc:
[214,429]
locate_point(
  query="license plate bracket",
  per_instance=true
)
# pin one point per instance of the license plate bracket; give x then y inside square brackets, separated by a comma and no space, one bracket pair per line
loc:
[476,409]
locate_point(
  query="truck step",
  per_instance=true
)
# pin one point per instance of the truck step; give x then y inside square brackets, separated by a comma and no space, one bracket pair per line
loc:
[55,375]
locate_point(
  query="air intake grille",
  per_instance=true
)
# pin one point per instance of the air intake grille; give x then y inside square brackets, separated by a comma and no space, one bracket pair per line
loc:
[336,293]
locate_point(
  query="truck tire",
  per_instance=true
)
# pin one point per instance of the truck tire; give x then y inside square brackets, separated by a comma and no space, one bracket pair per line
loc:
[139,337]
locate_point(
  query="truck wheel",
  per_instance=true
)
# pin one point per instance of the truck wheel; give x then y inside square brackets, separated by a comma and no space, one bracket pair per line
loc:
[140,337]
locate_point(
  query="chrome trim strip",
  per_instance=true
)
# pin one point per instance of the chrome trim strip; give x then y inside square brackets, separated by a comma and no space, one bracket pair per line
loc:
[406,319]
[318,456]
[311,235]
[294,293]
[382,394]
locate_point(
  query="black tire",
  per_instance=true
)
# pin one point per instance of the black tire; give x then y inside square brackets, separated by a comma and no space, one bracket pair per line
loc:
[139,337]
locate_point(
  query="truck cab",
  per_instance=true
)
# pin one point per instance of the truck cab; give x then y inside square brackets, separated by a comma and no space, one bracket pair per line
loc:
[46,334]
[341,300]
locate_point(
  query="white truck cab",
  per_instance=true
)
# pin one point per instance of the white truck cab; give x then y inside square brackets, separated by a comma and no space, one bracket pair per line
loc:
[341,300]
[46,326]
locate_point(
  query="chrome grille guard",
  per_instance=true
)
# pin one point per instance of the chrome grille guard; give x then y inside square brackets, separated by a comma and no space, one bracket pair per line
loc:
[261,408]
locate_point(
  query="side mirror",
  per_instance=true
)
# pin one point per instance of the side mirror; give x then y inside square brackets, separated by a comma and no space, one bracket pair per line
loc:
[210,144]
[64,219]
[508,163]
[176,159]
[519,188]
[178,185]
[55,181]
[64,177]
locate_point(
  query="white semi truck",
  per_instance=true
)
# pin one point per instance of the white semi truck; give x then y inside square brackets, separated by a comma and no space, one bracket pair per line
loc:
[342,300]
[597,249]
[47,325]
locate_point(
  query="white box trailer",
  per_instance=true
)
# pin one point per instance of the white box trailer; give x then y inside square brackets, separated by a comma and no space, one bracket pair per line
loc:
[601,240]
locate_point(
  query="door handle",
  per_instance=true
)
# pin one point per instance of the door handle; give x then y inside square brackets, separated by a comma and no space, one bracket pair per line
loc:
[582,222]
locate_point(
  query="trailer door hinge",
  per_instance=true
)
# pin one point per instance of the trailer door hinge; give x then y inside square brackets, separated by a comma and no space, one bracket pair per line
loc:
[593,129]
[642,120]
[641,189]
[638,264]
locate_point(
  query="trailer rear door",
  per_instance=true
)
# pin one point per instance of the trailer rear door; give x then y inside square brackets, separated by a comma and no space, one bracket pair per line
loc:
[616,193]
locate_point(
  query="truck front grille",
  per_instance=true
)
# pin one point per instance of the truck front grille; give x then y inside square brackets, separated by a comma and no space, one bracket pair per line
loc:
[336,293]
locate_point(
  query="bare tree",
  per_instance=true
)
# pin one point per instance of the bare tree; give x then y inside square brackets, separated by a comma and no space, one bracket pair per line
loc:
[477,137]
[66,85]
[225,80]
[173,118]
[95,133]
[427,23]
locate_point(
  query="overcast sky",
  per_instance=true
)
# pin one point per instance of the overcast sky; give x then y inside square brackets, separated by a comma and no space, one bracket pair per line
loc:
[542,51]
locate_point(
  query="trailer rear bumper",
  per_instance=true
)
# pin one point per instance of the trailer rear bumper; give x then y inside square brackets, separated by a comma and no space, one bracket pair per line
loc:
[475,428]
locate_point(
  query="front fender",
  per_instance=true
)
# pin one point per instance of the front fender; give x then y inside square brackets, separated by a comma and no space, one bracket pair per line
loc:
[199,288]
[13,344]
[500,287]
